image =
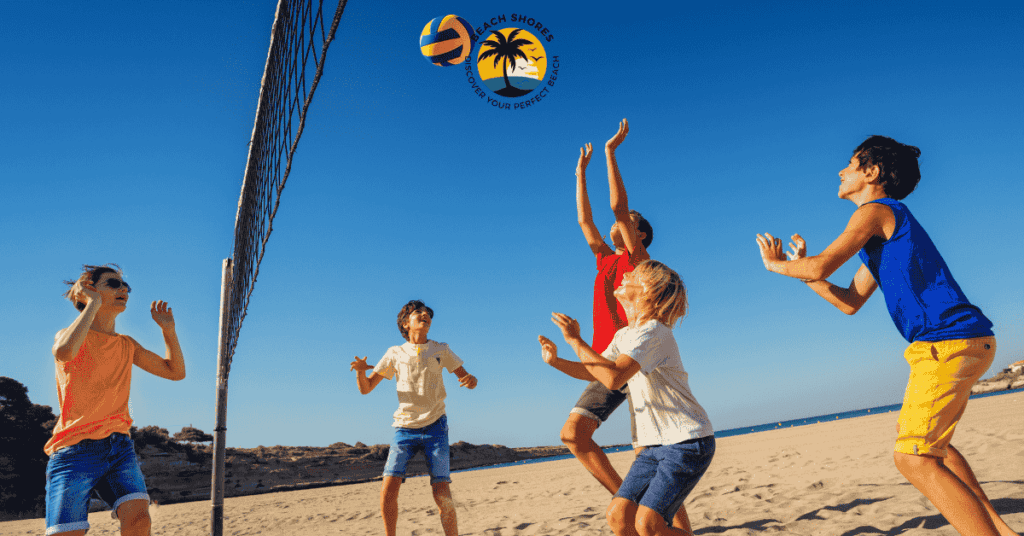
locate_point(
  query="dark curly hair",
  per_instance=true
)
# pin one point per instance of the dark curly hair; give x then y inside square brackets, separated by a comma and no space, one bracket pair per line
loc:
[898,171]
[94,273]
[407,311]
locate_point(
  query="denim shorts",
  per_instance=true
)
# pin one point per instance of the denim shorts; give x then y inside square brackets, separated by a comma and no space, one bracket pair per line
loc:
[107,465]
[662,476]
[432,440]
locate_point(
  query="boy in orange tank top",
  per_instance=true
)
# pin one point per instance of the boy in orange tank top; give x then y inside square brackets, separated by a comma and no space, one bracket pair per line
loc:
[90,448]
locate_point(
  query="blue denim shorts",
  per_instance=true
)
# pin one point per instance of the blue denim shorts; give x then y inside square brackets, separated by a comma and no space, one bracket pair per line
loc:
[662,476]
[107,465]
[432,440]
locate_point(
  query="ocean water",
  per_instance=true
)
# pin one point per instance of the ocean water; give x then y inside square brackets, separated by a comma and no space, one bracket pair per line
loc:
[751,429]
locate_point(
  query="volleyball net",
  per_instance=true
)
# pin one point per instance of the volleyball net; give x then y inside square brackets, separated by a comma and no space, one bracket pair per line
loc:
[299,40]
[298,50]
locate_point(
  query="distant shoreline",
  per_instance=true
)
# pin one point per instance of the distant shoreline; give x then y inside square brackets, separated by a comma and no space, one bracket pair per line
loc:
[175,477]
[834,477]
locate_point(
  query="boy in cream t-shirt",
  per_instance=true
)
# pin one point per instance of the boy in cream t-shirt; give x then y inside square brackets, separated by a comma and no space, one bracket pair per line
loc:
[420,420]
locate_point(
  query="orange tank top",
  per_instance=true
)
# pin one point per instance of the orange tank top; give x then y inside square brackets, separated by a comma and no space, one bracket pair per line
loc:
[93,390]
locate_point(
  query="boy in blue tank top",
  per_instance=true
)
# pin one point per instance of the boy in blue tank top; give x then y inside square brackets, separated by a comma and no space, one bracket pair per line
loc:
[951,341]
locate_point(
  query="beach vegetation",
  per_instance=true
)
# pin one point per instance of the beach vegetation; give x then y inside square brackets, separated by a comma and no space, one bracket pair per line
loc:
[24,430]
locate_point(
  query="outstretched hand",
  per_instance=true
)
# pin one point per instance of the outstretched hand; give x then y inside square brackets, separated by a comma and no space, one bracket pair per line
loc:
[468,381]
[581,165]
[569,326]
[771,250]
[619,136]
[162,314]
[798,248]
[548,349]
[359,365]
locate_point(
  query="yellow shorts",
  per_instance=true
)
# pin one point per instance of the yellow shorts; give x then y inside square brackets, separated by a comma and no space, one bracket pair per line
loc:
[941,376]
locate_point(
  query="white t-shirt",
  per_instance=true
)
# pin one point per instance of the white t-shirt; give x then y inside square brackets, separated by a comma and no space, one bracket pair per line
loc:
[420,386]
[665,410]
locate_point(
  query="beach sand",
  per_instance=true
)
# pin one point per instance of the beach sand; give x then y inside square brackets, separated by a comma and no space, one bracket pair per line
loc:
[833,478]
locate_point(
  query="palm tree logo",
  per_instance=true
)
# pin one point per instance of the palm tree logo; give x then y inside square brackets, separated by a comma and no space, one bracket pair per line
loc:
[520,73]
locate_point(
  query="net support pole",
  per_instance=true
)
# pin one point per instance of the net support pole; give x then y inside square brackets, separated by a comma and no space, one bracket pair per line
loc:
[220,429]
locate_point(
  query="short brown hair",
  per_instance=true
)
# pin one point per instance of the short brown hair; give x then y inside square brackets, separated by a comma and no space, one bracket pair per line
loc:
[643,226]
[94,273]
[407,311]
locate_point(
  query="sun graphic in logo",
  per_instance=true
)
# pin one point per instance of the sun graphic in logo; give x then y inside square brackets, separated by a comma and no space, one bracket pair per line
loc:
[511,62]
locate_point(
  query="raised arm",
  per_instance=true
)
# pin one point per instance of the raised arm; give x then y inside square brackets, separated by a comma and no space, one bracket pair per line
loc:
[611,374]
[617,190]
[848,300]
[364,384]
[575,369]
[583,213]
[868,221]
[70,339]
[171,367]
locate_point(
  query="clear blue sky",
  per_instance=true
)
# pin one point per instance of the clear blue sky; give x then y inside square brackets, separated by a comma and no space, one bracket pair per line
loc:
[124,140]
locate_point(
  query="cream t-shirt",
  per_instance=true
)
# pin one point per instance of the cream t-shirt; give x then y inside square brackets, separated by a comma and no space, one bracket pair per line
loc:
[417,370]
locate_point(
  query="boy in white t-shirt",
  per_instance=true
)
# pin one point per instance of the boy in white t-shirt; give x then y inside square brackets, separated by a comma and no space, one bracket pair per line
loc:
[420,420]
[673,429]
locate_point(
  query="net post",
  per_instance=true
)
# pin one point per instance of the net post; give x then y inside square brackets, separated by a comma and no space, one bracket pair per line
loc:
[217,479]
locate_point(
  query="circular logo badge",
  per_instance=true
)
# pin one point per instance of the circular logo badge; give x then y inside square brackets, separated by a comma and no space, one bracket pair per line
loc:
[511,62]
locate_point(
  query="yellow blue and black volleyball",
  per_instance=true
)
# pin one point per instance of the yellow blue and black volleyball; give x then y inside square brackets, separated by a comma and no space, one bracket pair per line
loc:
[446,40]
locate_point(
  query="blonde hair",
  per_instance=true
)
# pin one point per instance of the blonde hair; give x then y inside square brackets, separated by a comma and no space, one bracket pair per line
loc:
[664,296]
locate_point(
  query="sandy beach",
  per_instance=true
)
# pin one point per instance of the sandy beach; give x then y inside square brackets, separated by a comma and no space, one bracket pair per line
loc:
[833,478]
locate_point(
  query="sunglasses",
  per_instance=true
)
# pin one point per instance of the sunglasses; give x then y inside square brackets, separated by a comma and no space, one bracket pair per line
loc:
[116,284]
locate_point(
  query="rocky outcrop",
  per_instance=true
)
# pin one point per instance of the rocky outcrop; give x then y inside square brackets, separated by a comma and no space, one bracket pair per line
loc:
[990,386]
[184,474]
[1008,378]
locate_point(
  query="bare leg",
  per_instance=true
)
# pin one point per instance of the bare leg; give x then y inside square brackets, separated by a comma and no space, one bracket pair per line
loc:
[389,503]
[443,498]
[956,462]
[621,516]
[577,434]
[681,521]
[954,499]
[134,517]
[650,523]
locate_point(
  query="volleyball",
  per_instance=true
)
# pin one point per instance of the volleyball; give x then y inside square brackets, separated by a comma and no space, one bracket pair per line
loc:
[446,40]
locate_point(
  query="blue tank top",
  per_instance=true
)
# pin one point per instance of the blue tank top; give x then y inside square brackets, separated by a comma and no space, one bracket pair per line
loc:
[923,299]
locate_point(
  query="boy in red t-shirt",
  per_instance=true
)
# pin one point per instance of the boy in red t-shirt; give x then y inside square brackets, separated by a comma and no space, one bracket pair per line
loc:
[630,235]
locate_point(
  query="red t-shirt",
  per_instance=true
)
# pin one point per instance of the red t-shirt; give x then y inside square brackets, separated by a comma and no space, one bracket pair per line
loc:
[609,316]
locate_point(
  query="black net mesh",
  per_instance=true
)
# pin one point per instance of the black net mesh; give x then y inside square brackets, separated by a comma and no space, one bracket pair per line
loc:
[298,49]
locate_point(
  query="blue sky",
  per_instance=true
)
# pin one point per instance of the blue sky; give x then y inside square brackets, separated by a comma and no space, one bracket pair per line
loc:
[125,136]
